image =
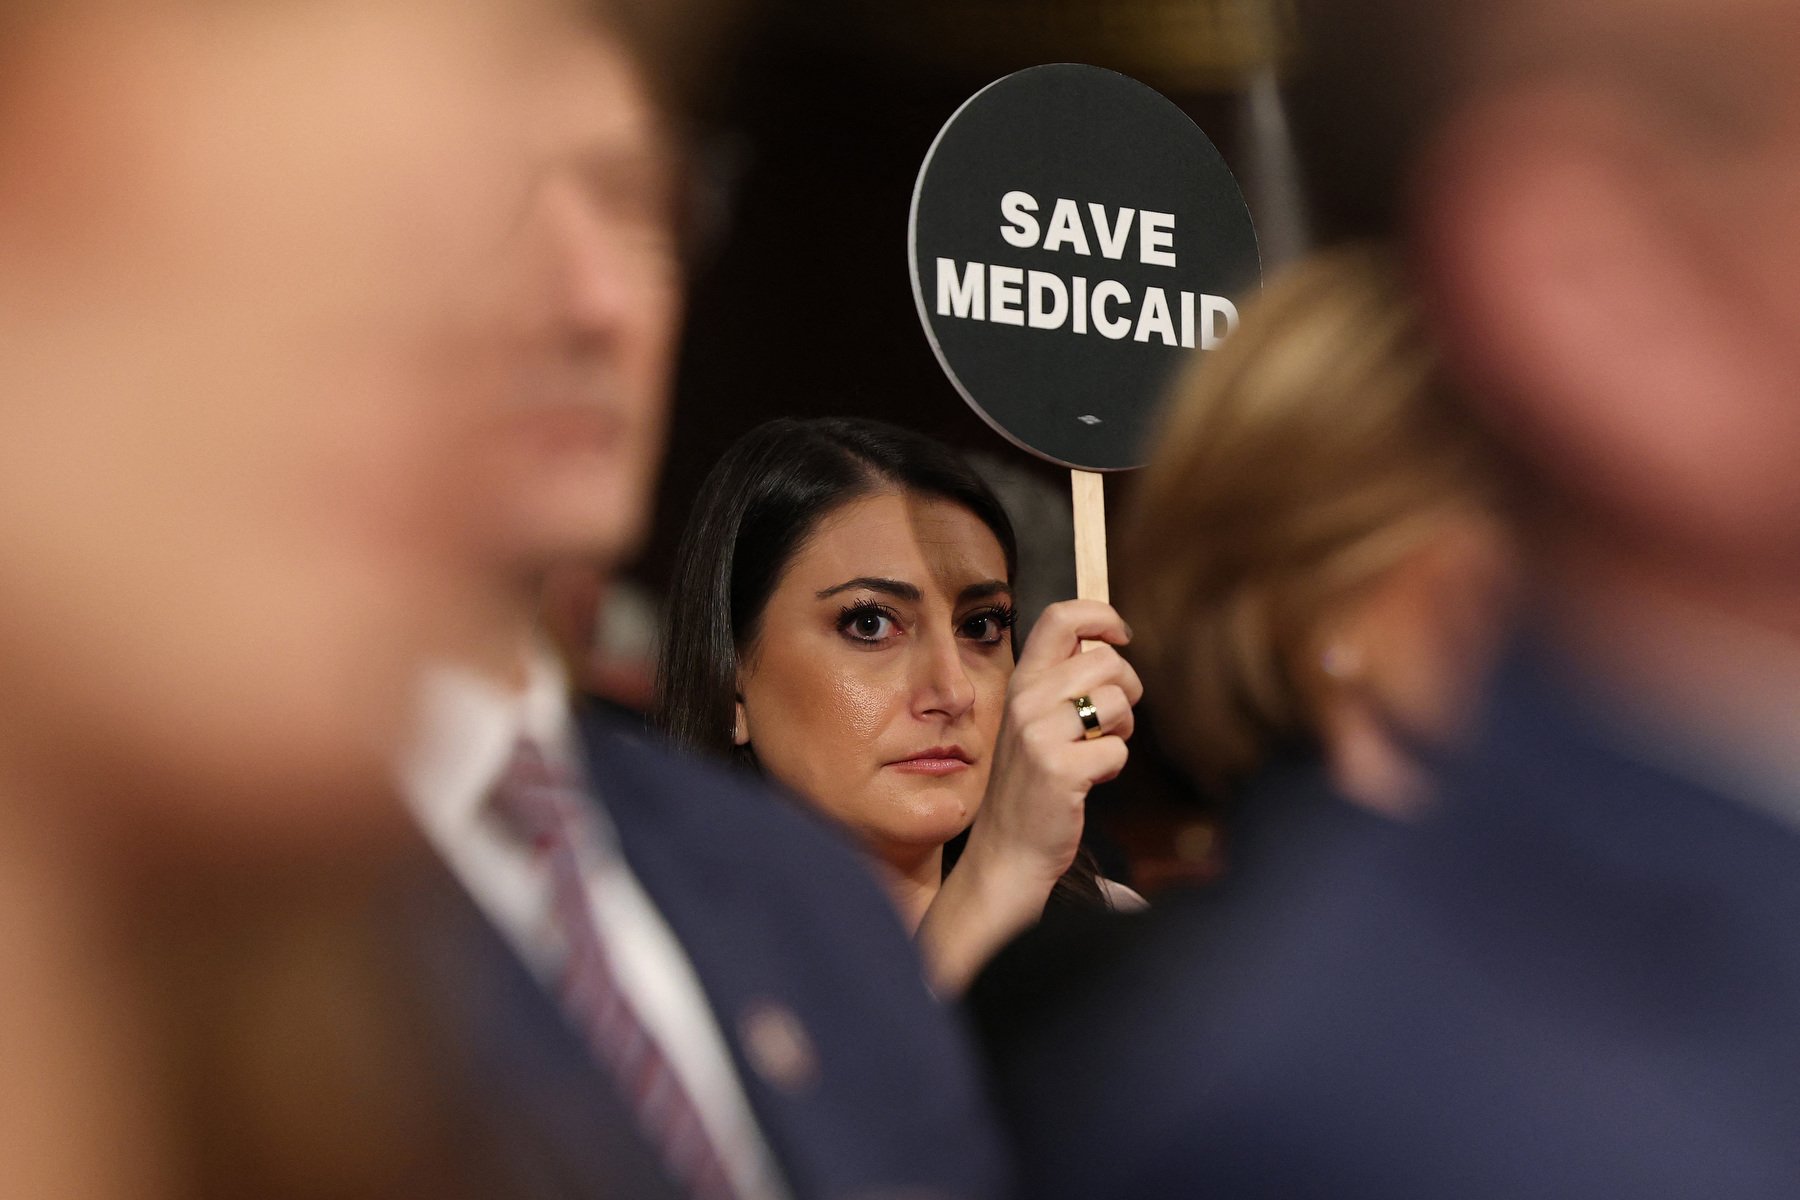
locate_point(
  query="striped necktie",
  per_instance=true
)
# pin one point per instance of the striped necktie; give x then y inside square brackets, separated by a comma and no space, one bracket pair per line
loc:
[542,804]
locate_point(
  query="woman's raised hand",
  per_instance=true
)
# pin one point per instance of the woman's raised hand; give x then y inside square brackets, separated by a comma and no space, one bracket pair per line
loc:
[1045,762]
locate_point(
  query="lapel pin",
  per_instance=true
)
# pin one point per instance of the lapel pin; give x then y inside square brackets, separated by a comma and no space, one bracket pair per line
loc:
[778,1047]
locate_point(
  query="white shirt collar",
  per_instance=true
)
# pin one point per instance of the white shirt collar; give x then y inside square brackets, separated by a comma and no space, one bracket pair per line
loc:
[468,725]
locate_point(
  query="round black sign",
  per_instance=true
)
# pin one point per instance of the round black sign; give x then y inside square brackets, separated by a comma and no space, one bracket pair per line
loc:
[1074,236]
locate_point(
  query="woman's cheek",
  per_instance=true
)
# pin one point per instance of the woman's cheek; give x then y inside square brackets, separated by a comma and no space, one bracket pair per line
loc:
[990,696]
[861,707]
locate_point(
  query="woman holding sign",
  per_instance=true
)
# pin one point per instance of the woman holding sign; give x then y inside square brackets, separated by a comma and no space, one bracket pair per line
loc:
[842,621]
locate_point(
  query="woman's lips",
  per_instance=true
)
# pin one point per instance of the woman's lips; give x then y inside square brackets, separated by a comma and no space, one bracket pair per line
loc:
[939,760]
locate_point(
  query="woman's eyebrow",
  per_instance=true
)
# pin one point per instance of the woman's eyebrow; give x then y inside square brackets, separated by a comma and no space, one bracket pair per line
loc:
[984,589]
[892,587]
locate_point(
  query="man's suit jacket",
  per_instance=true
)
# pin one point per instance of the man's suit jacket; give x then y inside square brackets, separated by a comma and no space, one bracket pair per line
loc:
[861,1082]
[1578,977]
[532,1116]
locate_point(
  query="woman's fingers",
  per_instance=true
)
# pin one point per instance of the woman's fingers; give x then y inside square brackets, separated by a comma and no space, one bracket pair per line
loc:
[1100,760]
[1083,674]
[1111,709]
[1062,628]
[1053,673]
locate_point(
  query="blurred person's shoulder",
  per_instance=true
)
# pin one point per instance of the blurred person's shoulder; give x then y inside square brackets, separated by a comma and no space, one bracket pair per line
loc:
[720,849]
[1376,987]
[1223,1032]
[1282,835]
[712,808]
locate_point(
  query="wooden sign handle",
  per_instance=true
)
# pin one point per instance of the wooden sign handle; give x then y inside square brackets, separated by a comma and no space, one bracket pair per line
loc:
[1089,489]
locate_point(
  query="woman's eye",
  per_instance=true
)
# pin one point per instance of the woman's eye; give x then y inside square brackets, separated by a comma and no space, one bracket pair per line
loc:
[868,625]
[989,628]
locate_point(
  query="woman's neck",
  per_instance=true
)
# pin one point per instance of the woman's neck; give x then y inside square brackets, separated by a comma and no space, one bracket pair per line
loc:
[913,876]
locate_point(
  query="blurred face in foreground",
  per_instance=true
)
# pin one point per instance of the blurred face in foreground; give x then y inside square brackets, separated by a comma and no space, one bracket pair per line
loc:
[876,681]
[1614,240]
[591,319]
[230,405]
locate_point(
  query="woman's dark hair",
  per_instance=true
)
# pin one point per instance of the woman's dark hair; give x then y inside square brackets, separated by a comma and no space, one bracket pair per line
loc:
[761,501]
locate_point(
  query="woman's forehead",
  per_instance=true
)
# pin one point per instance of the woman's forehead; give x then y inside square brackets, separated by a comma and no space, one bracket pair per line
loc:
[924,540]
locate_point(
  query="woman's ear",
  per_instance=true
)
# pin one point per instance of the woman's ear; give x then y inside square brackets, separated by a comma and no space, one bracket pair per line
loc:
[1342,659]
[740,724]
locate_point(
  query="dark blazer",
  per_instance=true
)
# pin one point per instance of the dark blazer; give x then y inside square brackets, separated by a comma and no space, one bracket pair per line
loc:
[861,1081]
[533,1118]
[1578,977]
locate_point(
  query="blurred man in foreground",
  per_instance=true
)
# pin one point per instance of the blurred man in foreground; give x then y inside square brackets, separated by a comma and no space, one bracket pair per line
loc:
[1577,975]
[229,487]
[746,991]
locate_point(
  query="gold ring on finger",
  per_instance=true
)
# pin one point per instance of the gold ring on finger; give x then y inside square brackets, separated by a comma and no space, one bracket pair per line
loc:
[1090,717]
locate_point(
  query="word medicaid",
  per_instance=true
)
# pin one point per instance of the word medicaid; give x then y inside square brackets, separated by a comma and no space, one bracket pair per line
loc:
[1011,295]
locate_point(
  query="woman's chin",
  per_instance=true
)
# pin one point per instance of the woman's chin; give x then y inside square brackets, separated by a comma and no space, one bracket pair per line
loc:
[923,818]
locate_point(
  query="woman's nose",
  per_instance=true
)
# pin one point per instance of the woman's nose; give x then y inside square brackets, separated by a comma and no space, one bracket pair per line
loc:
[942,685]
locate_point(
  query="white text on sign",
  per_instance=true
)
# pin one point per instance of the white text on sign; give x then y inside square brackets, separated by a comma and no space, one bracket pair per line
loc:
[1044,300]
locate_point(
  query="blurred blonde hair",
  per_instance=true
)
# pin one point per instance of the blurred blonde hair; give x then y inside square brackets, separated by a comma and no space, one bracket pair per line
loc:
[1294,467]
